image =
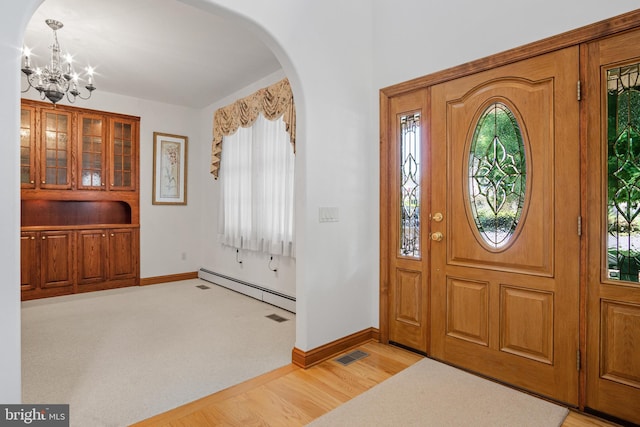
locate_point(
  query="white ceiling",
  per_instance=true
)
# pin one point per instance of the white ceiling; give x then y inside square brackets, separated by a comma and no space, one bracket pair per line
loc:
[160,50]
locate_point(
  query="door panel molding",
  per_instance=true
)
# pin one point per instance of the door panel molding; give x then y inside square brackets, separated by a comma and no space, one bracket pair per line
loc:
[620,343]
[526,323]
[468,310]
[408,308]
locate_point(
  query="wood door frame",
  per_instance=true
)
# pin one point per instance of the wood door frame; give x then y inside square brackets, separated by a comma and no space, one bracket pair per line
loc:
[601,29]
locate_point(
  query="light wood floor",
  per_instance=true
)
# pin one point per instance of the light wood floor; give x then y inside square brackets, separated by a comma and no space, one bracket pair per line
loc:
[291,396]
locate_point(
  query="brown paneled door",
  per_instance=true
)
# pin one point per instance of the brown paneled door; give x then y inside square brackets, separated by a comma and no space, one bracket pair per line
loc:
[408,244]
[613,210]
[505,257]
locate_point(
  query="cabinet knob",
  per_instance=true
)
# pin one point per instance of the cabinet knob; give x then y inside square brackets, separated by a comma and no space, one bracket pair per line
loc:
[31,182]
[33,238]
[112,184]
[43,237]
[104,235]
[43,182]
[112,234]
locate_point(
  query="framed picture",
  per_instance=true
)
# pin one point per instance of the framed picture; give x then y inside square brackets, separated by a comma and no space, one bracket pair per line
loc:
[169,169]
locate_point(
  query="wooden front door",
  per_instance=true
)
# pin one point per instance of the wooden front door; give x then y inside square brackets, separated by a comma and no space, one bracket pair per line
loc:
[505,258]
[406,235]
[613,211]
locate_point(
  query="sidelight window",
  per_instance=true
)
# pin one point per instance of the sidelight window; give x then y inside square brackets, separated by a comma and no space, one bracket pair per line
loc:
[410,185]
[623,173]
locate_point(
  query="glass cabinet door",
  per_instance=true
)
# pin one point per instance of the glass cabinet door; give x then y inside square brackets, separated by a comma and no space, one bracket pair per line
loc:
[91,152]
[55,164]
[27,147]
[123,140]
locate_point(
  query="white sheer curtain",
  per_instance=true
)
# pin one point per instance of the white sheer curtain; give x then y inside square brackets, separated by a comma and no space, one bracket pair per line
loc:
[256,177]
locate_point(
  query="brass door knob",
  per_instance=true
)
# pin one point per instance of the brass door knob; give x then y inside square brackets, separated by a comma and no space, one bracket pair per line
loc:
[437,217]
[437,236]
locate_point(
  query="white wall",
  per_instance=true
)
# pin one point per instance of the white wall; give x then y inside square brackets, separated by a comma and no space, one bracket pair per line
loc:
[13,20]
[336,64]
[222,259]
[325,50]
[431,36]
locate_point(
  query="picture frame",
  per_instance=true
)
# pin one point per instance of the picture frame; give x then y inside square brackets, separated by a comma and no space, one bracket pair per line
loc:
[169,169]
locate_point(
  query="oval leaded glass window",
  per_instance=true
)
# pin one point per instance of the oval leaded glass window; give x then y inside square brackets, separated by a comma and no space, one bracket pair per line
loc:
[497,175]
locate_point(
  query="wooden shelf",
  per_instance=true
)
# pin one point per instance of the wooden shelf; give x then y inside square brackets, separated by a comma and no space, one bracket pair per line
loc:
[73,212]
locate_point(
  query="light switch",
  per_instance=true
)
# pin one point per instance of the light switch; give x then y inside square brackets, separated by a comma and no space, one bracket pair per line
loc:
[328,214]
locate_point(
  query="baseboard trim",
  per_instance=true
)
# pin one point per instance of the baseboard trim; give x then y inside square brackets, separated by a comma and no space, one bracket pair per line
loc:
[168,278]
[306,359]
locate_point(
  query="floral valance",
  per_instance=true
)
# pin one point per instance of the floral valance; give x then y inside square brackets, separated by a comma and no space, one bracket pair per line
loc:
[273,102]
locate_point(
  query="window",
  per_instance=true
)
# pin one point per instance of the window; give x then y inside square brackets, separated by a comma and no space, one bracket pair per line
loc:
[497,175]
[623,177]
[410,185]
[256,174]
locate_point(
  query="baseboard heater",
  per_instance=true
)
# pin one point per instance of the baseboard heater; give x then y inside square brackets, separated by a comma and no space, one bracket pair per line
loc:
[269,296]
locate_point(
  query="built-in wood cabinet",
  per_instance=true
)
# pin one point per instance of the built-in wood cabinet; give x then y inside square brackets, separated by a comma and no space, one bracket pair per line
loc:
[106,255]
[29,271]
[79,200]
[47,262]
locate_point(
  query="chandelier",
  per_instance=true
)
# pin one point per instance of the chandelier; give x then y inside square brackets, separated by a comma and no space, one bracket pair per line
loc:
[52,81]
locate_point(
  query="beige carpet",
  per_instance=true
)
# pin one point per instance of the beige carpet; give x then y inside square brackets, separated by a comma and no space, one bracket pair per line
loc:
[123,355]
[430,393]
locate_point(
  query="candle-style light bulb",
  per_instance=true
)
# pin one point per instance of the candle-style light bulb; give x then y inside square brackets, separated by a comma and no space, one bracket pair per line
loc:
[27,57]
[90,73]
[69,60]
[39,74]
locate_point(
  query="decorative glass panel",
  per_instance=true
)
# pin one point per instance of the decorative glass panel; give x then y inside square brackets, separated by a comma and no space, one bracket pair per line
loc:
[25,147]
[623,173]
[122,155]
[56,131]
[497,175]
[410,185]
[91,152]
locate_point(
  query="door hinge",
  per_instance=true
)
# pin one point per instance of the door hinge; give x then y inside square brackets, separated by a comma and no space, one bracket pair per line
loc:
[579,90]
[578,359]
[579,226]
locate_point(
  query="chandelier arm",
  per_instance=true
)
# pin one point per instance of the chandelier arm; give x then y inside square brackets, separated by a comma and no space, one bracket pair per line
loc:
[87,97]
[29,86]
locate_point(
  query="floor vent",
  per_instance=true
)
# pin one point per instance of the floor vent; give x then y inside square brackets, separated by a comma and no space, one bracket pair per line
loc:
[277,318]
[203,287]
[351,357]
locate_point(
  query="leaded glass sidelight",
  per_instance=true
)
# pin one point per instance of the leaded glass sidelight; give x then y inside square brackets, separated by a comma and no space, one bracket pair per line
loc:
[497,175]
[623,173]
[410,185]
